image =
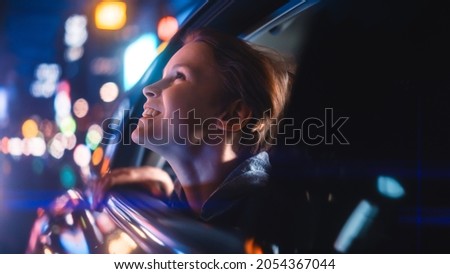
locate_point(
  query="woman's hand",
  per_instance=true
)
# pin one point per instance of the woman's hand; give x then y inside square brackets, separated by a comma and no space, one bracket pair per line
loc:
[156,180]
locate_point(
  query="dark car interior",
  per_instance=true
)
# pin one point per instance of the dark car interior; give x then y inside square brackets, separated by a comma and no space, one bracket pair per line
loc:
[385,70]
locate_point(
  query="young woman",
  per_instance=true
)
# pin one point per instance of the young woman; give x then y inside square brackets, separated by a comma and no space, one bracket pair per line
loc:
[212,116]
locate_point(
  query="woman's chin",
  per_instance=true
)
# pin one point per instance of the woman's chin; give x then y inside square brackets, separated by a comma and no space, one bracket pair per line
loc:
[138,137]
[142,138]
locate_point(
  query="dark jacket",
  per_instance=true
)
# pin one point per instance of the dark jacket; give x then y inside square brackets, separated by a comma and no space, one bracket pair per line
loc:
[240,203]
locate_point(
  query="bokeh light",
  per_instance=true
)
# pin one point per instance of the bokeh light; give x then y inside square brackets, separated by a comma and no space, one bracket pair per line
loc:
[67,125]
[105,166]
[75,36]
[56,148]
[67,142]
[71,141]
[138,56]
[15,146]
[37,146]
[48,128]
[75,31]
[64,86]
[46,77]
[109,92]
[67,177]
[74,54]
[4,145]
[94,136]
[30,129]
[80,108]
[354,227]
[389,187]
[110,15]
[82,155]
[26,147]
[4,119]
[61,138]
[97,156]
[167,27]
[62,104]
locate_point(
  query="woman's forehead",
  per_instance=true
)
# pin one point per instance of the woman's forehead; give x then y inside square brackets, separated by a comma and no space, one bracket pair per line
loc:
[193,55]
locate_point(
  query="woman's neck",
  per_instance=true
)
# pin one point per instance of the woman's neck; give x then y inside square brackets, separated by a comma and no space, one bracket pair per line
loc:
[202,172]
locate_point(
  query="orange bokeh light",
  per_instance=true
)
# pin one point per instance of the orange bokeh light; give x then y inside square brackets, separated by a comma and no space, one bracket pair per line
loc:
[97,156]
[111,15]
[30,129]
[167,27]
[4,145]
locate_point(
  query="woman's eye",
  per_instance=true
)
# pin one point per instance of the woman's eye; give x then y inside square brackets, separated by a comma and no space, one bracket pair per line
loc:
[180,75]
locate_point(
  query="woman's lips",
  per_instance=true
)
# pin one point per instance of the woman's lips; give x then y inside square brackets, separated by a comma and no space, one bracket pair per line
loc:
[150,113]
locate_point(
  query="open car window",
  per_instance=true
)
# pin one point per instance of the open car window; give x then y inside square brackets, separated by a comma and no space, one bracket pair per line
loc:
[281,30]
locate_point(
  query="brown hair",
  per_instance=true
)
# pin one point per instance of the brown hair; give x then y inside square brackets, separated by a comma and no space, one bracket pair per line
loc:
[259,76]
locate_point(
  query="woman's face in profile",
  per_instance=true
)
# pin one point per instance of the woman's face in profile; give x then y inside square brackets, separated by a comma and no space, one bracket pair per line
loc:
[189,93]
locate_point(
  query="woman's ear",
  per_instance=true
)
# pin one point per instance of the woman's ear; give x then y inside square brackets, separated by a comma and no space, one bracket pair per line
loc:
[234,117]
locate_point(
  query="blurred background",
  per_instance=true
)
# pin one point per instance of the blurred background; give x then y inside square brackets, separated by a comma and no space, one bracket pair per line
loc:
[63,66]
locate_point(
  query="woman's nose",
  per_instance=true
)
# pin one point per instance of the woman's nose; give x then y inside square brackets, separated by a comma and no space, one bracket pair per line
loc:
[154,90]
[151,91]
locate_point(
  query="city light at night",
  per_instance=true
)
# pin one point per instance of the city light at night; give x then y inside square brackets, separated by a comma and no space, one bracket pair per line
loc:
[110,15]
[137,58]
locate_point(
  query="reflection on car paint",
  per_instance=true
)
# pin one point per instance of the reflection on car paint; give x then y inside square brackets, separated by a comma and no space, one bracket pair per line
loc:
[358,222]
[145,225]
